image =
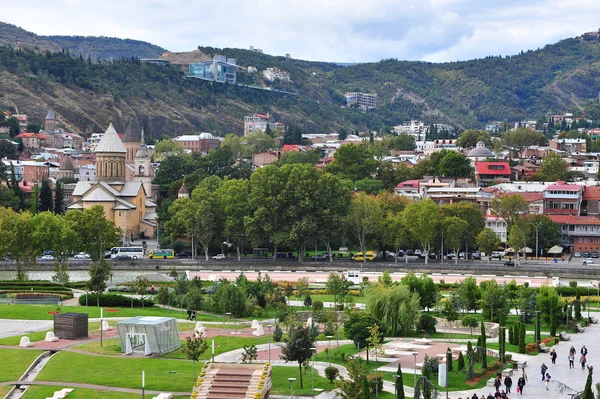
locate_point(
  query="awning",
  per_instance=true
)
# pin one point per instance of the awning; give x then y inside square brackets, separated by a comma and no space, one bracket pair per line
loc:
[557,249]
[526,250]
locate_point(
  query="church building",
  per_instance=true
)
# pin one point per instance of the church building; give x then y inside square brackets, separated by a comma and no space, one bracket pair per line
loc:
[127,203]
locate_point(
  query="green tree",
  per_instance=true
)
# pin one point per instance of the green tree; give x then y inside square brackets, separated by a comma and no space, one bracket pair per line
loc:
[233,198]
[493,300]
[53,232]
[470,213]
[338,286]
[15,239]
[193,349]
[588,393]
[548,232]
[483,347]
[424,286]
[455,164]
[298,348]
[167,147]
[358,327]
[422,220]
[521,138]
[488,241]
[332,202]
[45,201]
[470,321]
[356,383]
[454,231]
[516,240]
[510,207]
[99,274]
[141,285]
[395,233]
[163,296]
[395,306]
[95,232]
[290,157]
[553,168]
[364,218]
[469,138]
[403,142]
[249,354]
[59,194]
[353,162]
[468,294]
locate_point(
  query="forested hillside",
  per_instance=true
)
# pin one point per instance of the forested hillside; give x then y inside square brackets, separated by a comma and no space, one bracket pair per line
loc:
[558,78]
[106,48]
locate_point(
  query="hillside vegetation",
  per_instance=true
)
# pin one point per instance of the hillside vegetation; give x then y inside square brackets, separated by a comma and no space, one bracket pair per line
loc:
[560,77]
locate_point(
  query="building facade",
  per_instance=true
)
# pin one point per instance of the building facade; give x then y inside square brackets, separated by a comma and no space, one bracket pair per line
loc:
[221,69]
[362,100]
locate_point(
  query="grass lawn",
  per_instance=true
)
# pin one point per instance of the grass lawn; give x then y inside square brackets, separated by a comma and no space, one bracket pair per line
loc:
[4,391]
[161,374]
[40,312]
[221,346]
[19,361]
[341,356]
[37,391]
[281,385]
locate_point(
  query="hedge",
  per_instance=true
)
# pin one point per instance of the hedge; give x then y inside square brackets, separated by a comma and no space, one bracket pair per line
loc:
[116,301]
[37,288]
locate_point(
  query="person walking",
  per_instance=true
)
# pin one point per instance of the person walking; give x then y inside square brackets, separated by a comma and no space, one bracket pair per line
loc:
[572,350]
[548,381]
[497,383]
[524,374]
[521,384]
[553,356]
[584,351]
[582,360]
[571,361]
[507,383]
[543,369]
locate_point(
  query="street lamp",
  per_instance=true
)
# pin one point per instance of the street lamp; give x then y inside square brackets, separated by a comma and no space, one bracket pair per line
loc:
[396,385]
[448,356]
[536,226]
[269,327]
[314,350]
[415,376]
[291,380]
[228,314]
[329,350]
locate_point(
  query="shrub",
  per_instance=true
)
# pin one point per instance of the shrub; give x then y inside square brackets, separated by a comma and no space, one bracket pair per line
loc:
[573,284]
[461,362]
[331,373]
[431,364]
[278,333]
[427,323]
[115,301]
[530,347]
[317,305]
[375,381]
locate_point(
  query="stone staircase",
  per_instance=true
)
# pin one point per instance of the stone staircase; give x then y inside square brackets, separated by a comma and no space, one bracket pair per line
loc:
[233,381]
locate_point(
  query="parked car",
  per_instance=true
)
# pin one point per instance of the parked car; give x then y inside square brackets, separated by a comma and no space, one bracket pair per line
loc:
[409,252]
[577,254]
[82,255]
[498,254]
[476,255]
[47,257]
[184,254]
[358,257]
[48,253]
[418,252]
[122,257]
[588,262]
[586,254]
[320,257]
[219,257]
[386,255]
[595,255]
[451,255]
[509,263]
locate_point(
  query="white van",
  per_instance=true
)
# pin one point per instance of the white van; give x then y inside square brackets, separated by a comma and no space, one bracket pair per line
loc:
[353,276]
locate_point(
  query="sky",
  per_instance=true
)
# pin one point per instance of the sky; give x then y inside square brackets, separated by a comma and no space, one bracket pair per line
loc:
[320,30]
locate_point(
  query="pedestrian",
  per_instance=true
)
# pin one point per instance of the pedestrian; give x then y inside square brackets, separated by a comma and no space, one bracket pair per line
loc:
[189,313]
[572,350]
[548,381]
[507,383]
[524,374]
[584,350]
[474,396]
[193,315]
[521,384]
[497,383]
[497,394]
[572,361]
[490,396]
[543,369]
[503,395]
[582,360]
[553,356]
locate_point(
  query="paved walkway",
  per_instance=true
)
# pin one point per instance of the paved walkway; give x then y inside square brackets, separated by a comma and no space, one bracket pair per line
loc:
[88,386]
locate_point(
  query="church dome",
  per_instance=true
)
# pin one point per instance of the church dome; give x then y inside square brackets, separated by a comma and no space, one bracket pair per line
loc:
[110,142]
[133,133]
[142,153]
[480,151]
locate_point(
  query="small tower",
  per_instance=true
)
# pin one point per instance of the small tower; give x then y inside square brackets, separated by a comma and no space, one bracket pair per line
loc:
[183,192]
[66,169]
[131,139]
[50,122]
[110,157]
[143,166]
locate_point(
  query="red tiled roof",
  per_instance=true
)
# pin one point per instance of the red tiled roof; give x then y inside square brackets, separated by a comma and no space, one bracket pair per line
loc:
[291,147]
[571,219]
[591,193]
[483,168]
[563,187]
[27,135]
[409,183]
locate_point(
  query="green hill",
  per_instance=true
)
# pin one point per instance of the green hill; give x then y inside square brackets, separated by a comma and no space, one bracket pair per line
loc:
[103,48]
[560,77]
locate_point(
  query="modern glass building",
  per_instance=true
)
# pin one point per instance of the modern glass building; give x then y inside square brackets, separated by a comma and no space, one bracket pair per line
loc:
[149,334]
[221,69]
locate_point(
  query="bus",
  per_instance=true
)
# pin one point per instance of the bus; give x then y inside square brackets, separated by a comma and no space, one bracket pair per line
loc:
[161,253]
[132,252]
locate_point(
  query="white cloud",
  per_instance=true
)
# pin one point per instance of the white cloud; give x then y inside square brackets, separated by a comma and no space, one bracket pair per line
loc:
[329,30]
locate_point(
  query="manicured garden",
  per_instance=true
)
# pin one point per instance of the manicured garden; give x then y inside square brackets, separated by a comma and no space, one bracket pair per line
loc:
[38,391]
[19,362]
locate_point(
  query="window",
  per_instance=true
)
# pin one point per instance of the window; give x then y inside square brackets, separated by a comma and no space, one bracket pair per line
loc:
[580,240]
[586,240]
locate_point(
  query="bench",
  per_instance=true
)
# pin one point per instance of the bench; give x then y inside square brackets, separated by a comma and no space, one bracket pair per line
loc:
[579,328]
[543,347]
[593,320]
[563,336]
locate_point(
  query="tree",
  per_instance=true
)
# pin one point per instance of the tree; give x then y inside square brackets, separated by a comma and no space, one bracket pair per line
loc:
[470,213]
[395,232]
[449,311]
[395,306]
[45,201]
[53,232]
[249,354]
[59,194]
[424,388]
[468,294]
[424,286]
[553,168]
[167,147]
[141,285]
[352,387]
[193,349]
[399,383]
[469,138]
[163,296]
[516,239]
[455,164]
[302,288]
[332,202]
[385,279]
[99,274]
[403,142]
[421,219]
[15,239]
[488,241]
[510,207]
[338,286]
[331,373]
[493,301]
[298,348]
[95,232]
[364,217]
[587,391]
[353,162]
[342,134]
[454,230]
[358,327]
[484,347]
[470,321]
[548,232]
[233,198]
[520,138]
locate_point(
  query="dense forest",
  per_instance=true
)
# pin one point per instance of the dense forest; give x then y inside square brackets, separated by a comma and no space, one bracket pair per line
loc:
[88,90]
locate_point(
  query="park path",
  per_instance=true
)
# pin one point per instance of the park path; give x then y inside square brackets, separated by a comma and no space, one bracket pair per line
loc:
[89,386]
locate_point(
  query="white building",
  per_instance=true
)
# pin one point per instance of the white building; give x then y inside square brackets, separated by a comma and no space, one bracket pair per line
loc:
[497,225]
[414,128]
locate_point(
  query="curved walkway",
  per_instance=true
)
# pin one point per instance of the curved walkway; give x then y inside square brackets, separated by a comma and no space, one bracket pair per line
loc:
[89,386]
